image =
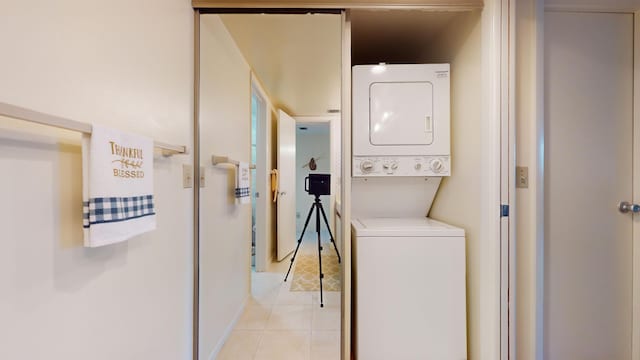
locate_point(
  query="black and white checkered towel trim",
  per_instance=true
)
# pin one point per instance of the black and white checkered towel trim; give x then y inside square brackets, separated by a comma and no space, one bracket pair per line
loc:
[242,192]
[114,209]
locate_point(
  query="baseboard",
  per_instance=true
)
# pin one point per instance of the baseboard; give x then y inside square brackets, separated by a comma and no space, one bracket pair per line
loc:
[228,331]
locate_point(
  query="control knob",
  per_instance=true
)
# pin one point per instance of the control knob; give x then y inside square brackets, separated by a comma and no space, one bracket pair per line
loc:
[436,165]
[366,166]
[390,167]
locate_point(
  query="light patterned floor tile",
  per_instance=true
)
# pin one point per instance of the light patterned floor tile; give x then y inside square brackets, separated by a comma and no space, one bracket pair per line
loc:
[284,345]
[325,345]
[241,345]
[266,299]
[290,317]
[277,323]
[286,297]
[330,298]
[326,318]
[254,317]
[265,287]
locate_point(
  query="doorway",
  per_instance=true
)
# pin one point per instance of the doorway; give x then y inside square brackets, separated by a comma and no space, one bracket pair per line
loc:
[589,147]
[292,65]
[259,184]
[313,156]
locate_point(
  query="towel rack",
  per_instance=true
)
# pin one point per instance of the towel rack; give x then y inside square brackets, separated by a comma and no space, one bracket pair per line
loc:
[219,160]
[21,113]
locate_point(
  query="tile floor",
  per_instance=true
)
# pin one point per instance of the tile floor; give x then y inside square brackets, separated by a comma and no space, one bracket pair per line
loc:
[279,324]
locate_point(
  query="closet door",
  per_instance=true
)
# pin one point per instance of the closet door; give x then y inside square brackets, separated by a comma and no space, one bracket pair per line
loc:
[588,169]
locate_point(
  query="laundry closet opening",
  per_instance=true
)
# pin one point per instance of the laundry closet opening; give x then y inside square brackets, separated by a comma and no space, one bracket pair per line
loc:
[400,58]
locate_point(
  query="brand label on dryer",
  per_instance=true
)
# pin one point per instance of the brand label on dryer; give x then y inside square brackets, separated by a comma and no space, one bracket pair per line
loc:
[442,74]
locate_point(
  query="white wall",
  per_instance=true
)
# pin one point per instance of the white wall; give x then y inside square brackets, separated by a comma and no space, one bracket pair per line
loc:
[307,146]
[127,65]
[225,228]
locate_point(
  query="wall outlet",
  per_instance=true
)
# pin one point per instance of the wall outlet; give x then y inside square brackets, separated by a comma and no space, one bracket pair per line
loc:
[187,176]
[522,177]
[202,183]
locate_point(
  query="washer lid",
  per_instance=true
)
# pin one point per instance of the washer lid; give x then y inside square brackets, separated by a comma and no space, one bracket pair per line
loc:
[403,227]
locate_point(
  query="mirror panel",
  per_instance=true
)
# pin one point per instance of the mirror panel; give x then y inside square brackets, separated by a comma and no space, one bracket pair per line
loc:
[253,67]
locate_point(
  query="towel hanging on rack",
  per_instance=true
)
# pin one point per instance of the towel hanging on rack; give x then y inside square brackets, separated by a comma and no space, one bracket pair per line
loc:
[117,186]
[243,183]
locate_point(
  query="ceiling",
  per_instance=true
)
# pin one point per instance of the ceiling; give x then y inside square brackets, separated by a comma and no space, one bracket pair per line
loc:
[296,57]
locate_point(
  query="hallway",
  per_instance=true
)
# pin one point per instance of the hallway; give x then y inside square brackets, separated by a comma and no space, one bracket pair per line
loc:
[279,324]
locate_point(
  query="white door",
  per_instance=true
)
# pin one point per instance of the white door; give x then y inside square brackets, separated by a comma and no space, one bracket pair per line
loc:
[286,230]
[588,171]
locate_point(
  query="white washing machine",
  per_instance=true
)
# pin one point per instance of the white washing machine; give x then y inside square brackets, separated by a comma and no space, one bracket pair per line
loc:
[409,289]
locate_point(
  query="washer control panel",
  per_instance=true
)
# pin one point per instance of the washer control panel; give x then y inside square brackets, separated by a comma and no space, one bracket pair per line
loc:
[368,166]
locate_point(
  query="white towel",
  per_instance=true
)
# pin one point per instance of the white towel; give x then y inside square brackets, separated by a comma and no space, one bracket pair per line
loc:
[243,184]
[117,186]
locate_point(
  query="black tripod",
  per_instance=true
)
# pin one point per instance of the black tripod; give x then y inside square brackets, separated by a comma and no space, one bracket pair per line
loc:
[318,206]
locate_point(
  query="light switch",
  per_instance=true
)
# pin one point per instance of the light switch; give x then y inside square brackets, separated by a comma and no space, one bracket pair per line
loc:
[522,177]
[187,176]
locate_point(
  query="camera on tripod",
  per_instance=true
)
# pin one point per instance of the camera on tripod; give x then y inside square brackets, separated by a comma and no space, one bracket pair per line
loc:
[318,184]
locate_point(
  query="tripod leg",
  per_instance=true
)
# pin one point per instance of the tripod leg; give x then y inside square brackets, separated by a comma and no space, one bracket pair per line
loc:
[324,216]
[319,251]
[306,223]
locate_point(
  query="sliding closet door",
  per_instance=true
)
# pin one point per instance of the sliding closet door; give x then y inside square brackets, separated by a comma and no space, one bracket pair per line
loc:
[225,224]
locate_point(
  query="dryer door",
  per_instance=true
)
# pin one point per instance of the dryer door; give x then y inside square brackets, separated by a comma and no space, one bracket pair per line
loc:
[401,113]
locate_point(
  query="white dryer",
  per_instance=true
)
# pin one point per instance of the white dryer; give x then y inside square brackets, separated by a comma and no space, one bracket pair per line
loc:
[409,289]
[401,116]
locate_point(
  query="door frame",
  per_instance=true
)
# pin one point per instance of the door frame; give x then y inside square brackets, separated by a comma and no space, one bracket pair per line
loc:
[635,337]
[536,138]
[496,19]
[334,150]
[508,182]
[263,143]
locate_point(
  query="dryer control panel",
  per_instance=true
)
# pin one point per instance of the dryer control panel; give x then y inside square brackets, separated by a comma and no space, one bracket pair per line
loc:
[432,165]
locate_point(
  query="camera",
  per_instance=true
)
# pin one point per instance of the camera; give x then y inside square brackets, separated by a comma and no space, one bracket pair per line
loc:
[318,184]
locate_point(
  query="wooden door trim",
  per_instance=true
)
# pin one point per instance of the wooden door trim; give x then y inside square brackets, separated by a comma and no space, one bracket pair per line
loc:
[345,190]
[195,331]
[442,5]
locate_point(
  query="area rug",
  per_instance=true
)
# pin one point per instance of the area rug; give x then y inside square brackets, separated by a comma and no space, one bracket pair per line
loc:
[305,273]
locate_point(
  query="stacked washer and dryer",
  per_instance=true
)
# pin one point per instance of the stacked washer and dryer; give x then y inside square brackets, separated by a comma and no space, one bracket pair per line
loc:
[408,270]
